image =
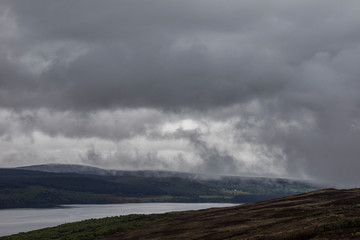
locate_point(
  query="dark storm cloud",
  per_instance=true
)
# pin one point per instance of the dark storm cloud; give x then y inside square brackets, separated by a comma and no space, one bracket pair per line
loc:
[95,55]
[138,54]
[296,60]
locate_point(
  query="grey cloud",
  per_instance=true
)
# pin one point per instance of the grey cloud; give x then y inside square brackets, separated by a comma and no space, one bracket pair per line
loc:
[92,156]
[288,69]
[168,55]
[214,160]
[107,125]
[127,160]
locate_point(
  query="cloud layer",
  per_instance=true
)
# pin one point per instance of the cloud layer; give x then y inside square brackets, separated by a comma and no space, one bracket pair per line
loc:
[235,87]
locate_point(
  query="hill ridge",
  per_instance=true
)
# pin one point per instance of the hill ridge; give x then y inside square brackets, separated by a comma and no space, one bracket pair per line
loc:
[86,169]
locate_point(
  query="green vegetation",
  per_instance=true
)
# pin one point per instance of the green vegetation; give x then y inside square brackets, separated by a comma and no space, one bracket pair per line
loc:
[88,229]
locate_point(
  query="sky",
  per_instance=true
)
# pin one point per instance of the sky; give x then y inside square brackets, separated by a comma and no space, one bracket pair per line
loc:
[233,87]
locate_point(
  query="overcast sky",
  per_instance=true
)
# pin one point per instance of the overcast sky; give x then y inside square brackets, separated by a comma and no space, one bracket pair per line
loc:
[259,88]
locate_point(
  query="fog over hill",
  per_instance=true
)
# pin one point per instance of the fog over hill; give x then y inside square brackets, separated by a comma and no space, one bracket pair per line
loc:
[52,185]
[83,169]
[256,88]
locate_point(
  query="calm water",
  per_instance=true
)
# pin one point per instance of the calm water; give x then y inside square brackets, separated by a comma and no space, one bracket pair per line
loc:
[22,220]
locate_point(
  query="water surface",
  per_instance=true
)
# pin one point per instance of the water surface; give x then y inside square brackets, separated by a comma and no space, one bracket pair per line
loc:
[22,220]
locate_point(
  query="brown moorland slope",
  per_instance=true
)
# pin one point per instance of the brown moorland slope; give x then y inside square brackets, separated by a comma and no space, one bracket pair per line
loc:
[323,214]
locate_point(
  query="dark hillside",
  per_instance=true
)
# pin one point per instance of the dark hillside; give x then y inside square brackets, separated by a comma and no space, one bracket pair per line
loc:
[34,188]
[26,188]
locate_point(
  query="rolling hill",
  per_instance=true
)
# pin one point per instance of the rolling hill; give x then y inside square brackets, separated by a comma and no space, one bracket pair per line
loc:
[52,185]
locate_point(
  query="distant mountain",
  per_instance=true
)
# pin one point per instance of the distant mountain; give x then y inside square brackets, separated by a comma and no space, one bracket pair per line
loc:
[55,184]
[82,169]
[68,168]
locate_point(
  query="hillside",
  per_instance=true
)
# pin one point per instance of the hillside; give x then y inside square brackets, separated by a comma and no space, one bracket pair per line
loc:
[83,169]
[30,188]
[323,214]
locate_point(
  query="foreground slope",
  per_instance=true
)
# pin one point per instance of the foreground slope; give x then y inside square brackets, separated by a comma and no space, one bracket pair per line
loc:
[323,214]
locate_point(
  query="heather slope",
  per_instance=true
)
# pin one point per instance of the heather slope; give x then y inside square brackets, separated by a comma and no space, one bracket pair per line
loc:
[324,214]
